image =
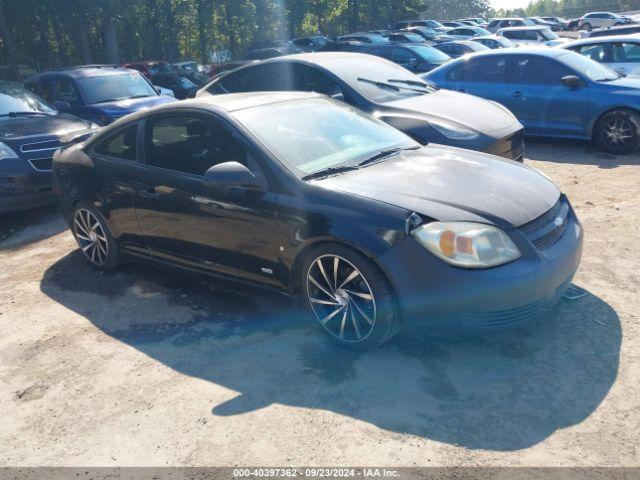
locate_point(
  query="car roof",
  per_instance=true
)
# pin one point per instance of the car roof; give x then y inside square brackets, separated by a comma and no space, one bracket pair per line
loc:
[635,37]
[517,29]
[84,72]
[507,18]
[539,51]
[469,43]
[334,61]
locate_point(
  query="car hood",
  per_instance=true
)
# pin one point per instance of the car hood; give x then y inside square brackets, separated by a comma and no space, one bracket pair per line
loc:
[122,107]
[452,106]
[58,125]
[624,83]
[453,184]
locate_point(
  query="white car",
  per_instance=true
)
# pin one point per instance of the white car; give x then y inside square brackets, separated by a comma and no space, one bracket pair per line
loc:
[467,33]
[601,19]
[538,35]
[620,53]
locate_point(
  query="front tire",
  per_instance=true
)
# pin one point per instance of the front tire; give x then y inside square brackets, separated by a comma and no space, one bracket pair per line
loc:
[94,237]
[349,297]
[618,132]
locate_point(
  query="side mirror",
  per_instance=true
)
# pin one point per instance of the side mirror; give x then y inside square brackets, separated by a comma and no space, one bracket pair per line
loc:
[571,81]
[62,105]
[233,174]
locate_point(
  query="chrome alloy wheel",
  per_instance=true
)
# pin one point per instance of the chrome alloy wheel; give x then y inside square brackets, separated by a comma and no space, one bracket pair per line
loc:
[341,298]
[91,236]
[618,132]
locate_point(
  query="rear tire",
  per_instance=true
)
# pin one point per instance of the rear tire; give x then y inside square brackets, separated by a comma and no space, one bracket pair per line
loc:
[618,132]
[350,299]
[94,237]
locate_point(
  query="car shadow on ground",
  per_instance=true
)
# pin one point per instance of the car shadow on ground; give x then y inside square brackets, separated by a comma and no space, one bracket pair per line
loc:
[29,226]
[575,152]
[497,391]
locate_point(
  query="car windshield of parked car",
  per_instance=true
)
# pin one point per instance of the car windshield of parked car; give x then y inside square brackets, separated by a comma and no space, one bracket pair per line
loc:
[547,34]
[156,68]
[317,134]
[368,72]
[15,99]
[186,84]
[595,71]
[505,42]
[430,54]
[109,88]
[481,31]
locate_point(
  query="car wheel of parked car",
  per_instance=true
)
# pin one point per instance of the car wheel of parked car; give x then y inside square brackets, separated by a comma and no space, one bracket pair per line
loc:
[618,131]
[94,238]
[350,298]
[587,27]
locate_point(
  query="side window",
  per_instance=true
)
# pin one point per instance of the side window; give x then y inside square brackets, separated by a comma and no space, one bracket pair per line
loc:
[266,77]
[190,144]
[60,89]
[309,79]
[382,52]
[404,57]
[456,74]
[486,70]
[120,145]
[626,52]
[539,71]
[594,52]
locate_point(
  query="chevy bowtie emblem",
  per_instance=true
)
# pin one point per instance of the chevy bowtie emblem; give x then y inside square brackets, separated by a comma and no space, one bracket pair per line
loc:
[558,221]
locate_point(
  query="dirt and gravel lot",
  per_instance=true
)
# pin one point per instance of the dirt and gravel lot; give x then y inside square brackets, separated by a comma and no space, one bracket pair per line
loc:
[148,367]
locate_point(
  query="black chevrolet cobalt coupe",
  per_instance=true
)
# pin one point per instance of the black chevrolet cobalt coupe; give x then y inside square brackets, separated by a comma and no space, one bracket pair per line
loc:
[301,193]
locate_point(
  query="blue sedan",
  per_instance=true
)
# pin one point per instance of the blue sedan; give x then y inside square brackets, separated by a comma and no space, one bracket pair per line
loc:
[553,93]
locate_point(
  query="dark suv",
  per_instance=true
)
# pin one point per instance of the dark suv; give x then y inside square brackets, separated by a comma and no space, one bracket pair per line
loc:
[100,94]
[30,132]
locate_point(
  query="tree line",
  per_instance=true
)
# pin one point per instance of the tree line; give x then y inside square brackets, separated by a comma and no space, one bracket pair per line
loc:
[573,8]
[42,34]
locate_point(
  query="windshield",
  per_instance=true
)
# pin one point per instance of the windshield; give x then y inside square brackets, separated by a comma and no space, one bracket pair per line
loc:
[505,42]
[186,83]
[156,68]
[548,34]
[315,134]
[430,54]
[108,88]
[14,98]
[378,71]
[434,24]
[481,31]
[595,71]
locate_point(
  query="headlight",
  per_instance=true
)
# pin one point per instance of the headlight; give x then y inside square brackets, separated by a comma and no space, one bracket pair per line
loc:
[6,152]
[466,244]
[455,132]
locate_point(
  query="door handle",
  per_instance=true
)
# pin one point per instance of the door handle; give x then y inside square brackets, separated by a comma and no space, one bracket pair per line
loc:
[518,95]
[150,192]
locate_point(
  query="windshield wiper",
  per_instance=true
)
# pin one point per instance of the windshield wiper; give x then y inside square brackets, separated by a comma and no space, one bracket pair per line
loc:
[20,114]
[414,83]
[397,88]
[385,153]
[379,84]
[325,172]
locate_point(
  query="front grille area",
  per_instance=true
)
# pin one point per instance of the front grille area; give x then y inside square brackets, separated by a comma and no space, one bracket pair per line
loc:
[42,164]
[40,146]
[549,227]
